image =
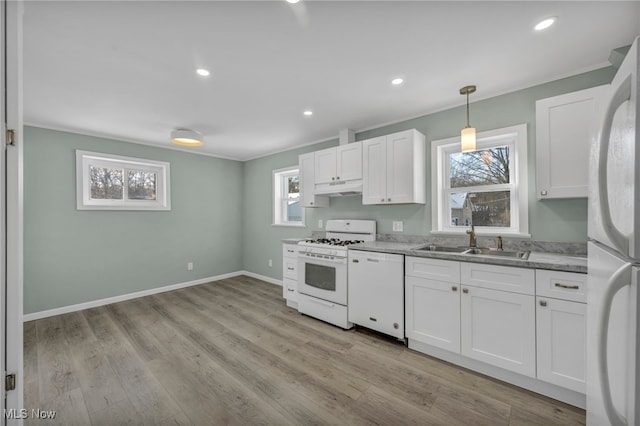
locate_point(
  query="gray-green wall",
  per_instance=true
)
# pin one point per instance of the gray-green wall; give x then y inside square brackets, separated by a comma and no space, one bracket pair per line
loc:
[74,256]
[549,220]
[221,216]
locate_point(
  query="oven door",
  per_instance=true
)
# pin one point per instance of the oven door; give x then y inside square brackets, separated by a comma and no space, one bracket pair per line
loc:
[323,277]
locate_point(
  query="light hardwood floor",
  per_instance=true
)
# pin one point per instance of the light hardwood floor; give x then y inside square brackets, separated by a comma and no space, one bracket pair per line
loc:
[231,352]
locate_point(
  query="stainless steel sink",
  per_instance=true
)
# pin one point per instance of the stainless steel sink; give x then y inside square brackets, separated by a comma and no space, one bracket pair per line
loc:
[445,249]
[495,252]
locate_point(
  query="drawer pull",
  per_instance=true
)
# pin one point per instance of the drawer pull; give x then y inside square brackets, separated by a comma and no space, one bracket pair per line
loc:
[289,251]
[355,260]
[372,260]
[465,290]
[543,303]
[290,268]
[373,319]
[568,287]
[454,288]
[290,289]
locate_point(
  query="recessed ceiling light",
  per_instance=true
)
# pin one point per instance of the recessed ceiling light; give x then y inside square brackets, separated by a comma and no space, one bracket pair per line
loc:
[293,1]
[308,112]
[397,81]
[544,24]
[203,72]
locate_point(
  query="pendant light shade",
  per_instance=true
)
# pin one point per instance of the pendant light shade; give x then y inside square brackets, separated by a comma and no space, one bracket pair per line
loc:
[468,139]
[186,137]
[468,134]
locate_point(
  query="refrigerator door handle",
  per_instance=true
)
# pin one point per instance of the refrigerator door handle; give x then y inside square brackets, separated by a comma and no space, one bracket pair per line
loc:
[622,94]
[620,279]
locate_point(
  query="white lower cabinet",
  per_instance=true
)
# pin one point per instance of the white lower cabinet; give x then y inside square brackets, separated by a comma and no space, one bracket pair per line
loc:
[561,328]
[498,327]
[432,312]
[506,322]
[290,274]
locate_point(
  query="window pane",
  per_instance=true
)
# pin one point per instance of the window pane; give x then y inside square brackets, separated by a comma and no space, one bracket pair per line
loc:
[481,209]
[293,185]
[106,183]
[484,167]
[142,185]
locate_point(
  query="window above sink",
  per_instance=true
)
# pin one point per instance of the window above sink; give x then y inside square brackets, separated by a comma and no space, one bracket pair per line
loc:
[486,188]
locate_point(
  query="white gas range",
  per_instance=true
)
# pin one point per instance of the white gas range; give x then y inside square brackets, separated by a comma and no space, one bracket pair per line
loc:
[322,266]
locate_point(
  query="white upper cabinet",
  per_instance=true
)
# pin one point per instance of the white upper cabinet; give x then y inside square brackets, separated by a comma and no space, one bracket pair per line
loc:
[306,162]
[393,169]
[341,163]
[565,127]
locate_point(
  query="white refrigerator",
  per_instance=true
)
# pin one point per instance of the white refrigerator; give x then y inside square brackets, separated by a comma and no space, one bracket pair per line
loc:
[613,298]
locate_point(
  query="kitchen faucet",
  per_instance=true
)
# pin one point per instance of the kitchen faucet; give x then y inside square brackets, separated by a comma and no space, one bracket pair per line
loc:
[472,236]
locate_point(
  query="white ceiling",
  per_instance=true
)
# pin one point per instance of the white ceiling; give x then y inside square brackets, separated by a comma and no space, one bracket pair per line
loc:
[126,69]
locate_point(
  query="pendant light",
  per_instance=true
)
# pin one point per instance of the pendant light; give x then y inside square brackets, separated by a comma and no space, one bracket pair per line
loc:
[468,134]
[186,137]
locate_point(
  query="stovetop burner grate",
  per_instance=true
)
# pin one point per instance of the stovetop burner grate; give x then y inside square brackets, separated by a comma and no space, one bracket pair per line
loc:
[333,241]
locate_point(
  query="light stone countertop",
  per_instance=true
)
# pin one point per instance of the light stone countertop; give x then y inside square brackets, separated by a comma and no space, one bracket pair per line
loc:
[537,260]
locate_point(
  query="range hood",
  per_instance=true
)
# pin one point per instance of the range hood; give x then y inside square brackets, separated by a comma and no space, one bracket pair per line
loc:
[340,189]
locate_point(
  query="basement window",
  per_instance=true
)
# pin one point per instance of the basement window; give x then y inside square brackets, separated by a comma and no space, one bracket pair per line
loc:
[287,210]
[113,182]
[486,188]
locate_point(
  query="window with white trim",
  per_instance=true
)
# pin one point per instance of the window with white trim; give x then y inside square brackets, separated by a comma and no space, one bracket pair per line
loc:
[287,209]
[114,182]
[486,188]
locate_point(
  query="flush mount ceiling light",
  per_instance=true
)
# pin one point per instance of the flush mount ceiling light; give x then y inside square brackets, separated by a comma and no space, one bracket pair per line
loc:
[545,23]
[203,72]
[397,81]
[186,137]
[468,134]
[293,1]
[308,113]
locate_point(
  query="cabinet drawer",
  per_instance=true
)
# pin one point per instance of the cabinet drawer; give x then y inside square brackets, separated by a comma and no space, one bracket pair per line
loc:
[289,250]
[561,285]
[290,267]
[506,278]
[433,269]
[290,289]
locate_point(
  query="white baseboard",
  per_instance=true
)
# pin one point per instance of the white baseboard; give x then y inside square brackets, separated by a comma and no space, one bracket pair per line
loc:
[123,297]
[261,277]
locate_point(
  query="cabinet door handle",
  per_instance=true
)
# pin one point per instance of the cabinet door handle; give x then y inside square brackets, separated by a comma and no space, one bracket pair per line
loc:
[333,178]
[543,192]
[388,199]
[568,287]
[382,200]
[311,203]
[465,290]
[338,178]
[355,260]
[454,288]
[543,303]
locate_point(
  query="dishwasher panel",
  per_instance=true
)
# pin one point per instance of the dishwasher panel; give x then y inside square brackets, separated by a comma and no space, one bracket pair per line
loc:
[376,291]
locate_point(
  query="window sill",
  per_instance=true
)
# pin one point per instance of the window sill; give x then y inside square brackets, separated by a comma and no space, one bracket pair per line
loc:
[290,225]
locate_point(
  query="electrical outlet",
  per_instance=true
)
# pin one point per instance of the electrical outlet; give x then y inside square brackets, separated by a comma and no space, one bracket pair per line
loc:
[190,266]
[320,223]
[397,226]
[270,263]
